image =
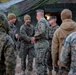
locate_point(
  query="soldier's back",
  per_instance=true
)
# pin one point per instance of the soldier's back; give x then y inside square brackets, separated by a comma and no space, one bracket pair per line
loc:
[7,56]
[42,29]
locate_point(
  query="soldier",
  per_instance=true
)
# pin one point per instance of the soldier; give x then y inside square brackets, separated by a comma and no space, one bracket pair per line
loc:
[7,56]
[68,26]
[27,47]
[13,28]
[41,43]
[53,27]
[68,55]
[18,24]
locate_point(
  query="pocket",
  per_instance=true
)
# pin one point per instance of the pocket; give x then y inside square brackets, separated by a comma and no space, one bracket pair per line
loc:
[40,56]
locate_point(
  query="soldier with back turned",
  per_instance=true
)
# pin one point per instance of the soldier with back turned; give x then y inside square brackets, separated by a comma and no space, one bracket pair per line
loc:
[7,55]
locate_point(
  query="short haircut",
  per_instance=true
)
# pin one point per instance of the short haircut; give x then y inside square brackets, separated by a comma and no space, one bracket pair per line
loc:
[11,16]
[66,14]
[52,17]
[26,17]
[39,10]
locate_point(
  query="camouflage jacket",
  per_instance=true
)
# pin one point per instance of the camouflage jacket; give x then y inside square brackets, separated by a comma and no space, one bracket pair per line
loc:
[7,56]
[41,33]
[68,54]
[51,33]
[26,32]
[12,31]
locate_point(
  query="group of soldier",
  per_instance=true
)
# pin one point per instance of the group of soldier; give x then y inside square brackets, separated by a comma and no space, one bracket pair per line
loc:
[53,47]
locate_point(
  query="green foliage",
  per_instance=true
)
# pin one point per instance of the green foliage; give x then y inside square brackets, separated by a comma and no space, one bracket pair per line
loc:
[14,9]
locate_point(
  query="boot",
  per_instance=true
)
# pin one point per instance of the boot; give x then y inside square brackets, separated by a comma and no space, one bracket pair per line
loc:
[57,73]
[65,73]
[50,72]
[29,72]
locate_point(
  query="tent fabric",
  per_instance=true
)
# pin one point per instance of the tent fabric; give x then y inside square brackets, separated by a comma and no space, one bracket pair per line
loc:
[26,6]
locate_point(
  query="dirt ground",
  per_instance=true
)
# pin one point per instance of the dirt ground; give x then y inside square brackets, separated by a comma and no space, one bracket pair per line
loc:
[19,71]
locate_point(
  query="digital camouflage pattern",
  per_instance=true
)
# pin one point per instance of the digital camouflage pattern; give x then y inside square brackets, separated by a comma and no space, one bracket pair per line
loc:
[51,33]
[7,56]
[27,48]
[68,54]
[41,46]
[12,31]
[4,23]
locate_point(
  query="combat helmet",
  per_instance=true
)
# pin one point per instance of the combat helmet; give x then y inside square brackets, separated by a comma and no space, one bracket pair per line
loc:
[4,22]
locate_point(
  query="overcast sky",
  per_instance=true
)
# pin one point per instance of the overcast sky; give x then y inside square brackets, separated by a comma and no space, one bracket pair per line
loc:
[8,4]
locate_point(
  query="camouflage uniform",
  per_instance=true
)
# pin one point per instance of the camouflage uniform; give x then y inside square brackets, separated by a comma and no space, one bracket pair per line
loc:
[68,54]
[7,56]
[51,32]
[27,48]
[41,46]
[12,31]
[18,24]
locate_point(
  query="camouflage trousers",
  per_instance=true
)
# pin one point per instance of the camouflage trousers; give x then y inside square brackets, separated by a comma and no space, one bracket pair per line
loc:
[27,50]
[4,72]
[41,61]
[60,71]
[49,61]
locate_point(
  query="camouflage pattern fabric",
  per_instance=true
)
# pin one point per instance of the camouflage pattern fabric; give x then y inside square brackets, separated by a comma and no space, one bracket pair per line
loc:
[12,31]
[41,46]
[51,32]
[7,56]
[4,26]
[27,48]
[68,55]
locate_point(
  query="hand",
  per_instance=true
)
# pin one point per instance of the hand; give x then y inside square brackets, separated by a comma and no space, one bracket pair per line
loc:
[33,40]
[58,62]
[17,36]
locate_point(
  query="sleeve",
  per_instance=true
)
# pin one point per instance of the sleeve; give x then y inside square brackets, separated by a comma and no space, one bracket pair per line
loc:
[33,30]
[55,49]
[10,58]
[24,35]
[65,55]
[16,30]
[40,30]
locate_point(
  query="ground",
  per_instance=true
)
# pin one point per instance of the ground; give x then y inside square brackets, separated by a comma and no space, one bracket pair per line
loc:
[18,68]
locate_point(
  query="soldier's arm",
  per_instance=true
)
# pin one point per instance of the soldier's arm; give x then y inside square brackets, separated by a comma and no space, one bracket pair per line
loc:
[33,30]
[10,58]
[65,55]
[55,49]
[24,35]
[50,34]
[41,30]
